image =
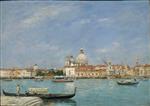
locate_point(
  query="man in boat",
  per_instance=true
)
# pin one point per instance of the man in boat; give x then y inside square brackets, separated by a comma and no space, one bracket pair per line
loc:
[18,89]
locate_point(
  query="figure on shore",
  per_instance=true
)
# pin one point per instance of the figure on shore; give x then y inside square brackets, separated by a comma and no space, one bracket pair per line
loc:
[18,89]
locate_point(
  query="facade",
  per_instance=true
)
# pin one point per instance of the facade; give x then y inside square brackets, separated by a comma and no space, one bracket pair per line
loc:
[15,73]
[70,71]
[5,73]
[142,70]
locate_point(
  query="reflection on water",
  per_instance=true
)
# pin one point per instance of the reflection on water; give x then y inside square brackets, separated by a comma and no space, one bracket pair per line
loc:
[60,102]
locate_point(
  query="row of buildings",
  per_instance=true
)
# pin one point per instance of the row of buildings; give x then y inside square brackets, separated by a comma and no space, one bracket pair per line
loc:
[18,72]
[78,67]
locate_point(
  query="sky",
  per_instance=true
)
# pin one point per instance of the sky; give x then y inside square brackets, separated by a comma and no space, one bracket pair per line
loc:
[44,33]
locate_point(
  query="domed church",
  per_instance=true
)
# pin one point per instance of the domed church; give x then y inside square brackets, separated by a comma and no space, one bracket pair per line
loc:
[81,59]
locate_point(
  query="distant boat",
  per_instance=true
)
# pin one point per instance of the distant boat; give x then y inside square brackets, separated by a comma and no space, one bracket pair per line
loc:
[43,96]
[7,79]
[39,78]
[62,79]
[145,79]
[128,82]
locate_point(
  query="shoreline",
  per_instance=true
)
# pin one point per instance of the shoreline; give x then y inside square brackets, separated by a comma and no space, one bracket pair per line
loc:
[47,78]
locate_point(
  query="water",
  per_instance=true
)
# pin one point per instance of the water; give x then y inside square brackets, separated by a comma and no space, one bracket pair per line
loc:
[90,92]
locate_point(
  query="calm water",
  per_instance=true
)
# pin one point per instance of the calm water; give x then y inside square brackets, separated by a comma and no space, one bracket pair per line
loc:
[90,92]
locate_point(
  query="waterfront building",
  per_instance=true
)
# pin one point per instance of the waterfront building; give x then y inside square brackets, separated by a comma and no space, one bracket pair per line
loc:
[72,64]
[78,67]
[5,73]
[110,70]
[130,72]
[142,70]
[35,67]
[15,73]
[70,61]
[70,71]
[19,72]
[91,71]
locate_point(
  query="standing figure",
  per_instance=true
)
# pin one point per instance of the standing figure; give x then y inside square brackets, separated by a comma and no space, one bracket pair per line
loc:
[18,89]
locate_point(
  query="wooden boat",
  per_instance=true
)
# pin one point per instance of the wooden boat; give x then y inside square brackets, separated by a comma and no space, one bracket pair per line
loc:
[127,82]
[7,79]
[43,96]
[62,79]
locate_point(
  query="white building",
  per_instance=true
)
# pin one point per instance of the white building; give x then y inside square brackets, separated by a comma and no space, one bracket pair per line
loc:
[35,67]
[25,73]
[71,63]
[70,71]
[110,70]
[5,73]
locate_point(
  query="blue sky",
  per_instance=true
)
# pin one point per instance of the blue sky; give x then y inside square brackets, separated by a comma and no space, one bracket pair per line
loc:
[44,33]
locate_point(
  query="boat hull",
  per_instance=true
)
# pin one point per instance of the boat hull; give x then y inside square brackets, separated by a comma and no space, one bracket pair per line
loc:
[127,83]
[42,96]
[63,80]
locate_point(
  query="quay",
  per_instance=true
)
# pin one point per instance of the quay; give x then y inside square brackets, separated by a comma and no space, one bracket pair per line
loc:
[20,101]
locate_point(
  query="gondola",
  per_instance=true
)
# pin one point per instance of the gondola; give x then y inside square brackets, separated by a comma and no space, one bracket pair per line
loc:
[43,96]
[63,80]
[127,82]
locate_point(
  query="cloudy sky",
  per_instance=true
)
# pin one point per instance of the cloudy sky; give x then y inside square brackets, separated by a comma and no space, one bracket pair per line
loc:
[44,33]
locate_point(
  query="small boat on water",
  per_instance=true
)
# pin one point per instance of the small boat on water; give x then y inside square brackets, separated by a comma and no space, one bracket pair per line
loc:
[62,79]
[39,78]
[7,79]
[42,96]
[128,82]
[144,78]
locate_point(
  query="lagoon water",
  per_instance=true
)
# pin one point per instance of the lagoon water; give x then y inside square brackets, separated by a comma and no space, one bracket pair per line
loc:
[90,92]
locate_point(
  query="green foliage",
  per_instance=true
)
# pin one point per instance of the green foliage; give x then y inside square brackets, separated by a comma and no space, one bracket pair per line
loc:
[51,72]
[60,72]
[40,73]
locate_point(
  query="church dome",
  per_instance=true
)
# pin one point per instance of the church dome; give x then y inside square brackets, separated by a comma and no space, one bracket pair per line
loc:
[82,58]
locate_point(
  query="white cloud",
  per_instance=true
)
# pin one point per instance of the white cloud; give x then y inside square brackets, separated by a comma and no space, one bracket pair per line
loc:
[84,21]
[115,46]
[103,50]
[103,20]
[136,40]
[46,13]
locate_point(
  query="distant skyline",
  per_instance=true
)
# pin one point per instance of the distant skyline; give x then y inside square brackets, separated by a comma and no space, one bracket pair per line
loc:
[44,33]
